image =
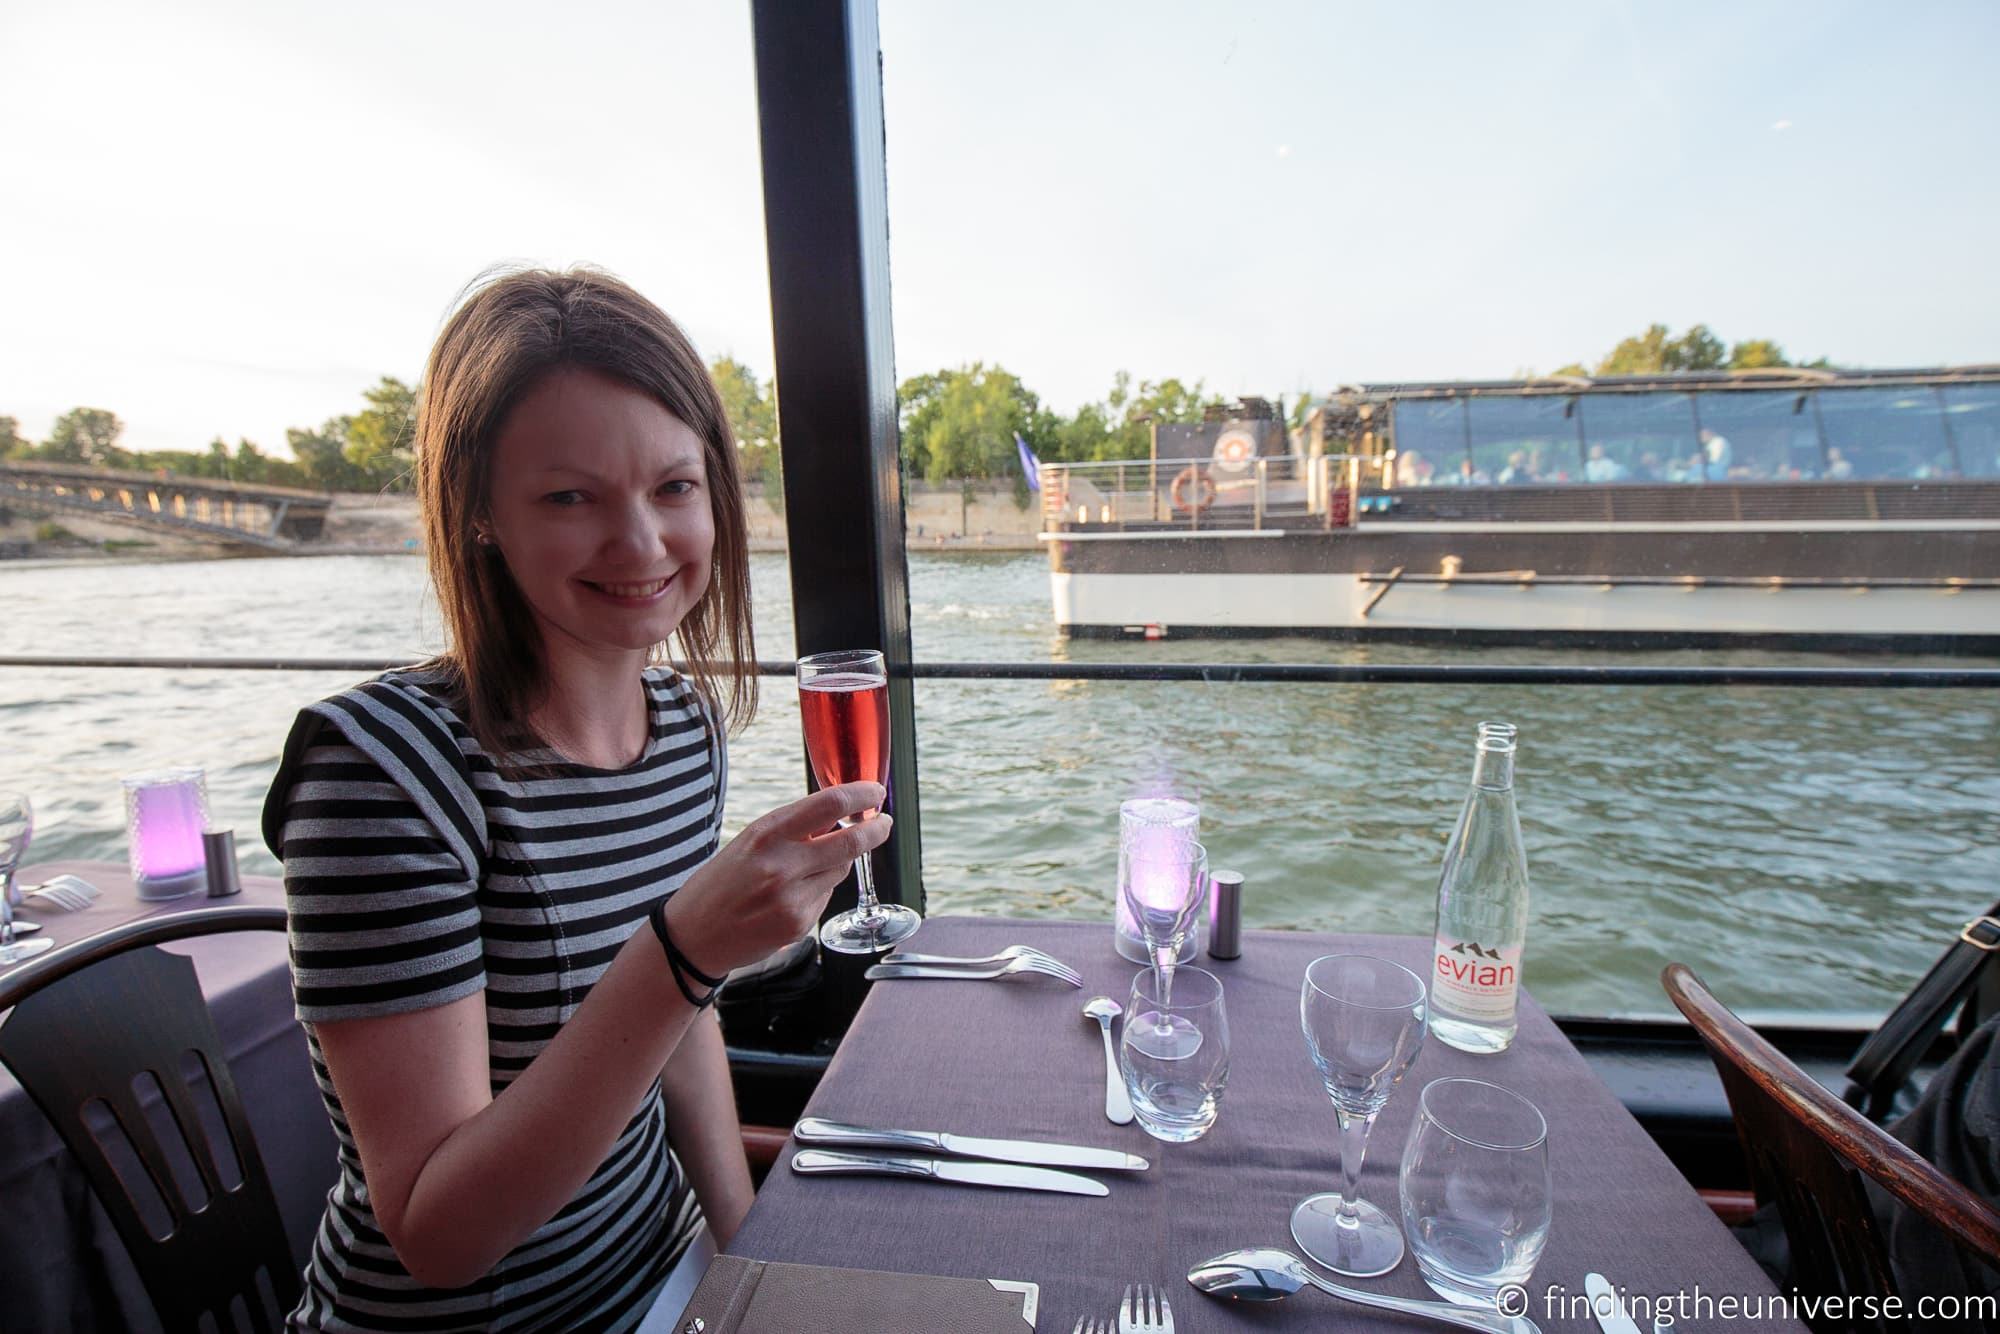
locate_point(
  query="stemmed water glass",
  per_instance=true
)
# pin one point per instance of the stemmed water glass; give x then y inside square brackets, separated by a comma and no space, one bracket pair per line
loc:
[17,826]
[844,708]
[1164,890]
[1364,1020]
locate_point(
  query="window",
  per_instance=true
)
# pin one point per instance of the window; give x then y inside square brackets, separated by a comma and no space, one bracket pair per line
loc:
[1771,435]
[1890,434]
[1538,433]
[1638,437]
[1972,418]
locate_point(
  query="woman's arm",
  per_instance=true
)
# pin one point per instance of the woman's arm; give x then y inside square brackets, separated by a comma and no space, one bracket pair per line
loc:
[702,1123]
[458,1178]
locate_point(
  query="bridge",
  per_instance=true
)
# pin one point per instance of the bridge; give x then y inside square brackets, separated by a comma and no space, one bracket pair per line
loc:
[274,518]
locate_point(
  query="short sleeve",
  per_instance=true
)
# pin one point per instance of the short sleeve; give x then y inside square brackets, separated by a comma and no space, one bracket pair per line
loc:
[383,840]
[383,916]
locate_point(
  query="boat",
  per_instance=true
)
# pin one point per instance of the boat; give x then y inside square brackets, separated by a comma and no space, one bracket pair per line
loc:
[1793,508]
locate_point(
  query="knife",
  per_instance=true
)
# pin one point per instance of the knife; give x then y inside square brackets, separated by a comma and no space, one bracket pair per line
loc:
[811,1161]
[818,1130]
[1603,1299]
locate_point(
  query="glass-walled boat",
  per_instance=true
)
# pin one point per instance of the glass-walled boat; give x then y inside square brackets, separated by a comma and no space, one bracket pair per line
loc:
[1797,508]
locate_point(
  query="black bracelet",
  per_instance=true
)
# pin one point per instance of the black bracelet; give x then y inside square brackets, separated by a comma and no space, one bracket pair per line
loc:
[678,963]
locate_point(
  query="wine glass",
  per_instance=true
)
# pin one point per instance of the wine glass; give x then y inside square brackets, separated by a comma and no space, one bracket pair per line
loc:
[844,707]
[1364,1020]
[17,826]
[1164,890]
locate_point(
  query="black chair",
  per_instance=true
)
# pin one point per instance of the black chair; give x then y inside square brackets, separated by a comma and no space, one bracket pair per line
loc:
[175,1166]
[1811,1153]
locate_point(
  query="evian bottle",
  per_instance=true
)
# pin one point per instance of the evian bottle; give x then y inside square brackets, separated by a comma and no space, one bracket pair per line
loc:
[1482,921]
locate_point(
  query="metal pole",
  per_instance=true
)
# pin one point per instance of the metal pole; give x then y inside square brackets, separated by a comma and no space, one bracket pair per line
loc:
[826,221]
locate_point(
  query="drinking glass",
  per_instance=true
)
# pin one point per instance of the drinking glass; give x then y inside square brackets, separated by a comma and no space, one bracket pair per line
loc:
[1475,1188]
[1176,1097]
[844,707]
[1164,891]
[1152,827]
[1364,1020]
[17,826]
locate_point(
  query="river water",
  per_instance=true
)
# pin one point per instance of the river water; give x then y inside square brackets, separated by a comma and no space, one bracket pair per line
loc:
[1807,851]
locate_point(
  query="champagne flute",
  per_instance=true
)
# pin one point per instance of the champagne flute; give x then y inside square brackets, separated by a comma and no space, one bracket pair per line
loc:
[1364,1021]
[844,707]
[1164,890]
[17,826]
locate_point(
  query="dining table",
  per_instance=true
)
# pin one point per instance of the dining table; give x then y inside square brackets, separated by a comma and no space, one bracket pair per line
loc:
[1017,1058]
[62,1266]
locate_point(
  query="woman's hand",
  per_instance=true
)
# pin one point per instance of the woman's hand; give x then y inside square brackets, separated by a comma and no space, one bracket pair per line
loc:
[767,887]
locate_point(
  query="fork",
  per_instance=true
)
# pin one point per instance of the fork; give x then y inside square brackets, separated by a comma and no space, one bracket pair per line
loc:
[1085,1325]
[68,892]
[1144,1311]
[990,961]
[1025,964]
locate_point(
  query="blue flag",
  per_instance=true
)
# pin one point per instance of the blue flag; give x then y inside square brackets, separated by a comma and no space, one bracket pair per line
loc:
[1031,467]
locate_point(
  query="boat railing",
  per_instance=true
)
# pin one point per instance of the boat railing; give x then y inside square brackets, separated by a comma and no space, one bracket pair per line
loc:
[1270,491]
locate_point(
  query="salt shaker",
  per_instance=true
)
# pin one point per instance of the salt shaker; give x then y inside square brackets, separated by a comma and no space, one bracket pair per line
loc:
[1225,914]
[218,849]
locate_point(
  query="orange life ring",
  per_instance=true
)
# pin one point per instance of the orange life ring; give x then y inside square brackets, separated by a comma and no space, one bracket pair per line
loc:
[1204,490]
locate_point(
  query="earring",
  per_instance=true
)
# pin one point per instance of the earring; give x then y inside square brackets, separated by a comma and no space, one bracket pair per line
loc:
[481,536]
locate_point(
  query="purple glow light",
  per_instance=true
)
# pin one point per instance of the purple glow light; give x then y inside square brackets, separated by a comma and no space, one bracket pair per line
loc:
[165,816]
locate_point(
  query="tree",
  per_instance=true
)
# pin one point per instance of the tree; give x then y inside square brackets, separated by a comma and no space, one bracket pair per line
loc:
[322,454]
[1756,353]
[381,441]
[12,446]
[752,410]
[960,424]
[84,435]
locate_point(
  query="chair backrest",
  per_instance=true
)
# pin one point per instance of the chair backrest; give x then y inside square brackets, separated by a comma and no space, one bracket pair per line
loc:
[1809,1152]
[113,1041]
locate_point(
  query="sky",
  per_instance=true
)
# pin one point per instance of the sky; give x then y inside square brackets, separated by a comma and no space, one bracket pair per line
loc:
[226,218]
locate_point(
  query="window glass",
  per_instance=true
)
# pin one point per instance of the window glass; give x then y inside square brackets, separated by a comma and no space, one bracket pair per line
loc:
[1886,433]
[1972,415]
[1638,438]
[1537,433]
[1430,440]
[1760,435]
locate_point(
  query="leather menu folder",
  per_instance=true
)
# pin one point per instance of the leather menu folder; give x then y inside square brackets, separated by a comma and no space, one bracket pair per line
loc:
[739,1296]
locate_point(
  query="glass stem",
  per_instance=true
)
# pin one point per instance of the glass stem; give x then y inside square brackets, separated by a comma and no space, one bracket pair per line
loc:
[864,883]
[1163,970]
[1354,1130]
[6,908]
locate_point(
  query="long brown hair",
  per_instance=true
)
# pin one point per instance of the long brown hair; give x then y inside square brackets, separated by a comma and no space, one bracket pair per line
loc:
[507,335]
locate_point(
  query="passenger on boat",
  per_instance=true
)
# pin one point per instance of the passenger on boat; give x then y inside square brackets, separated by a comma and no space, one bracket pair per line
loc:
[1599,468]
[1412,468]
[509,901]
[1518,472]
[1716,455]
[1838,469]
[1648,469]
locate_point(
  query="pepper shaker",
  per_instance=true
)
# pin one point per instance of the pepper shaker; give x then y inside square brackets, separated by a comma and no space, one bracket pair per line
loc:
[1225,914]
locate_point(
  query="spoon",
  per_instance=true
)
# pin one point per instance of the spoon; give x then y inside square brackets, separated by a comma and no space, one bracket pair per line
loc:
[1117,1107]
[1266,1274]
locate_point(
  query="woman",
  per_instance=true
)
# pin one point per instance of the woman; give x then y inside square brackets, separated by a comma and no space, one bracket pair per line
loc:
[474,849]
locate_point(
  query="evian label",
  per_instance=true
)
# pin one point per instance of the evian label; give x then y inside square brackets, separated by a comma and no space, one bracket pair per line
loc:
[1473,981]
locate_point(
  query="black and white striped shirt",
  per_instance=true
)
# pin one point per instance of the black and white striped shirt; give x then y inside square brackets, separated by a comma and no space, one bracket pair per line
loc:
[415,875]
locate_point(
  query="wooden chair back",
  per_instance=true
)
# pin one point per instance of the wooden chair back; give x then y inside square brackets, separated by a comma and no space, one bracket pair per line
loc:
[1809,1152]
[113,1041]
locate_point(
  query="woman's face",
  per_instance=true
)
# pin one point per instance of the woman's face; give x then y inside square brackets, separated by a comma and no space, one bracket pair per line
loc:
[600,506]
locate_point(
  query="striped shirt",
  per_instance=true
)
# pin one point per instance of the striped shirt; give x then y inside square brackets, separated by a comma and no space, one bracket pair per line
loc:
[415,875]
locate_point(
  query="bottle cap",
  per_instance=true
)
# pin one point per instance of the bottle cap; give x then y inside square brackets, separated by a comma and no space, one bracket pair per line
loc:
[1225,914]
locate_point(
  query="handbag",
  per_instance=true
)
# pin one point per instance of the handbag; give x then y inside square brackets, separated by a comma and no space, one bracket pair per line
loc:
[1961,980]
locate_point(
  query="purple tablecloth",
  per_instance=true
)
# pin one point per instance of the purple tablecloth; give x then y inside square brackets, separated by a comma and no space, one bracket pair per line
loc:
[62,1266]
[1017,1059]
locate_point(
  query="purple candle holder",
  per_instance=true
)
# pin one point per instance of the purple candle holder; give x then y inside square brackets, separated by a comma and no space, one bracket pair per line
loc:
[1154,828]
[166,814]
